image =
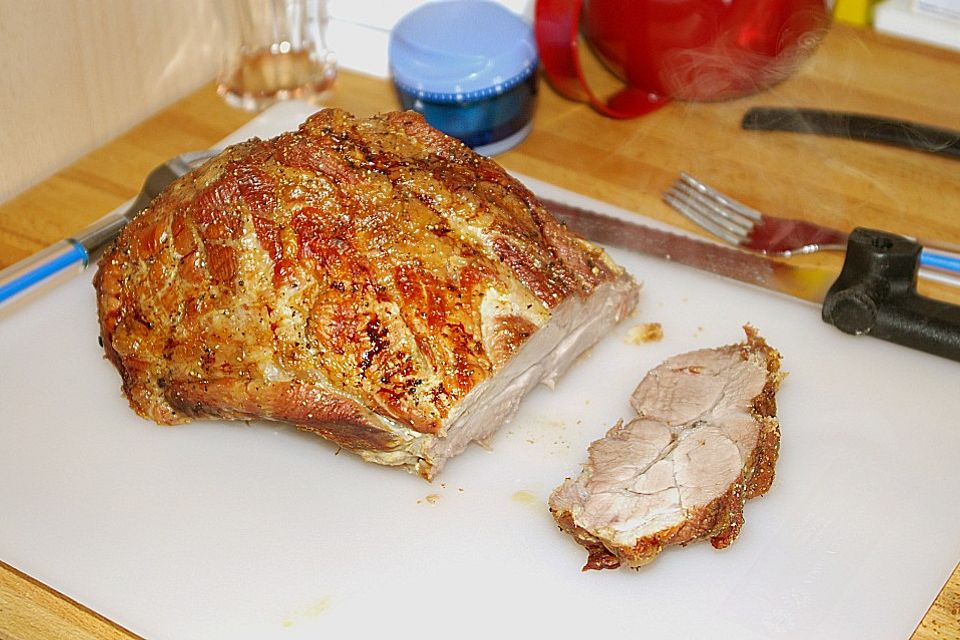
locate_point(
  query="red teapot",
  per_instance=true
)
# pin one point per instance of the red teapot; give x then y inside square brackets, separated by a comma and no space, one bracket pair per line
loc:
[664,50]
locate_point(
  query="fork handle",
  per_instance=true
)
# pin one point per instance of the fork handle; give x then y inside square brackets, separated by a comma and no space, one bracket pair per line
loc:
[46,267]
[21,280]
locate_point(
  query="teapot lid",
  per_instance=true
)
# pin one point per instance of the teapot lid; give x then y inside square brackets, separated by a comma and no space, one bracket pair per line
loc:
[461,50]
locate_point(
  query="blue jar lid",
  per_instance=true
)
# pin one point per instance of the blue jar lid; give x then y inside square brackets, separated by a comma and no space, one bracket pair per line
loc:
[460,51]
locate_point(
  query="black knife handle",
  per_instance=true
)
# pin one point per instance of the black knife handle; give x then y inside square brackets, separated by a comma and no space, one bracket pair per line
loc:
[867,128]
[876,295]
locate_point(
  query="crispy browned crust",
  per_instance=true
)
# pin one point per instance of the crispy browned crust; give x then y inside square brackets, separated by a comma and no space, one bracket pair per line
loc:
[598,556]
[719,520]
[332,277]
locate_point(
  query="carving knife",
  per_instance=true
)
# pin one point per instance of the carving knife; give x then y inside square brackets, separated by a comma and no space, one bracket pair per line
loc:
[875,293]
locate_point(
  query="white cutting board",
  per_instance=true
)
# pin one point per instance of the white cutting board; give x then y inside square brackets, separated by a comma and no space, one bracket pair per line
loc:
[223,530]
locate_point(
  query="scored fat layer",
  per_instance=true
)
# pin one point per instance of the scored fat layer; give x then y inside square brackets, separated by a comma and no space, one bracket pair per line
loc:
[357,256]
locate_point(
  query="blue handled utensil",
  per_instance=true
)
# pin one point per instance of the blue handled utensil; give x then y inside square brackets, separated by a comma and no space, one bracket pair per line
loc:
[71,256]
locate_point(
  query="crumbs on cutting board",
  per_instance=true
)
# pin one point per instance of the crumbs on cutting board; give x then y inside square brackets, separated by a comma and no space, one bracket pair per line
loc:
[525,497]
[434,498]
[312,610]
[545,433]
[647,332]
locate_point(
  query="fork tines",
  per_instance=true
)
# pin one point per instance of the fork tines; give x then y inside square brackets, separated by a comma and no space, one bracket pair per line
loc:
[703,205]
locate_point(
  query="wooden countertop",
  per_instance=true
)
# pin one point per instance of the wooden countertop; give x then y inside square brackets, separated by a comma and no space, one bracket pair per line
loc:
[837,182]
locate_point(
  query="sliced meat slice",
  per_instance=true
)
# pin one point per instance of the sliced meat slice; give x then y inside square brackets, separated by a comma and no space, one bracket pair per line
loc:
[705,439]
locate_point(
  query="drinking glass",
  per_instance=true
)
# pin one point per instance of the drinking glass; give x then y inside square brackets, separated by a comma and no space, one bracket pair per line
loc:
[275,50]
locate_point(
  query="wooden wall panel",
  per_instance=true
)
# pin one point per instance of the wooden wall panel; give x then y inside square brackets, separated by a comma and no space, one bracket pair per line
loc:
[76,73]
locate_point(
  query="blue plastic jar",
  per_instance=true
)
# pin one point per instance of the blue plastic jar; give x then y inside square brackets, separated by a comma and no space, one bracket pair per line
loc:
[469,66]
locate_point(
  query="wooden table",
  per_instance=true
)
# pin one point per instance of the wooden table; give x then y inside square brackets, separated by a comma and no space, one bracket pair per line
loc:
[628,163]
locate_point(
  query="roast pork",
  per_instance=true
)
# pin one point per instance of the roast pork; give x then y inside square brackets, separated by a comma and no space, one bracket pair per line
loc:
[370,280]
[705,439]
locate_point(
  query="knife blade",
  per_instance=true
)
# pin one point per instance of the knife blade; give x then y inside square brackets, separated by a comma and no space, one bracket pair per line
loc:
[806,283]
[875,293]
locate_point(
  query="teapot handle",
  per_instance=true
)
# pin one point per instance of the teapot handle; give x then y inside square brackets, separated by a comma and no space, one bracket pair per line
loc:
[556,27]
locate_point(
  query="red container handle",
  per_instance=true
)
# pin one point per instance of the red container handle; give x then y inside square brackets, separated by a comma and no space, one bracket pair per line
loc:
[556,27]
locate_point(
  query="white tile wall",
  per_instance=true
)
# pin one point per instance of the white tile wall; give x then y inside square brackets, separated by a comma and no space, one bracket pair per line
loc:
[898,18]
[359,30]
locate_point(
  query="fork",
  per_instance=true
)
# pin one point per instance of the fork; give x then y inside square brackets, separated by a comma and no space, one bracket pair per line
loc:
[74,254]
[745,227]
